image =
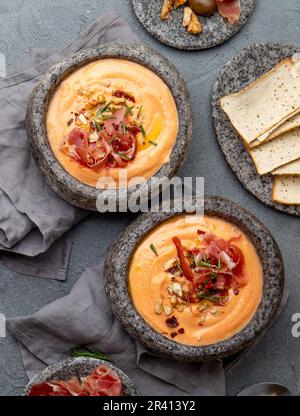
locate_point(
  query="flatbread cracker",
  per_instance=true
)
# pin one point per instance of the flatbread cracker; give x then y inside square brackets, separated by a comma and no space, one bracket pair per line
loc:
[286,190]
[277,152]
[266,103]
[288,125]
[292,168]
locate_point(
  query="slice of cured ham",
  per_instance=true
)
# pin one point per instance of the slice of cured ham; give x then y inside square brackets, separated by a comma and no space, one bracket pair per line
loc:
[230,9]
[102,382]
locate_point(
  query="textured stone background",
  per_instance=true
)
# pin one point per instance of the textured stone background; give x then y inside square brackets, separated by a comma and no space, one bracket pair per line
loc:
[53,23]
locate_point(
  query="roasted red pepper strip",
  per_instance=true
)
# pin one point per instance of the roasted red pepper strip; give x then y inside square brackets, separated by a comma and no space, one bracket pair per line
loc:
[188,274]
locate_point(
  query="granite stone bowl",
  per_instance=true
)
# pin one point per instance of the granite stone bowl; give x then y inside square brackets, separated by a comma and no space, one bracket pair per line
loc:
[216,30]
[117,264]
[69,188]
[78,367]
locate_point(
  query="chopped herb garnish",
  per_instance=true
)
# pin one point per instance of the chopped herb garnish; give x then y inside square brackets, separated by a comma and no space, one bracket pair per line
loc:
[124,156]
[151,142]
[153,248]
[139,112]
[124,127]
[103,109]
[129,109]
[219,264]
[82,352]
[107,117]
[98,125]
[208,297]
[142,130]
[204,264]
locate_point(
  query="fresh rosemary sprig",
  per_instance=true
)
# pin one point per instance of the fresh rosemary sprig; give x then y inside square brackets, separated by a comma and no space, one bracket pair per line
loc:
[83,352]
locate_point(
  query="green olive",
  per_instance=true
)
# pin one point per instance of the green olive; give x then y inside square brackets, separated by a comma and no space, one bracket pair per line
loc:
[203,7]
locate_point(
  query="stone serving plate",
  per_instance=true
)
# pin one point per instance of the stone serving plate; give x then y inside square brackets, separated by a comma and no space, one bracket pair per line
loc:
[216,29]
[78,367]
[249,64]
[117,264]
[62,182]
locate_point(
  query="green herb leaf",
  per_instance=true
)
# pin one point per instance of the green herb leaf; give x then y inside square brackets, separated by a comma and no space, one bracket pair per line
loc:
[208,297]
[139,112]
[98,125]
[106,117]
[129,109]
[142,130]
[124,156]
[153,248]
[103,109]
[204,264]
[124,127]
[151,142]
[82,352]
[219,264]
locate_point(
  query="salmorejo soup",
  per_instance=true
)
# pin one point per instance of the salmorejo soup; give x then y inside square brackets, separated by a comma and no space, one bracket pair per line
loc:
[109,115]
[196,280]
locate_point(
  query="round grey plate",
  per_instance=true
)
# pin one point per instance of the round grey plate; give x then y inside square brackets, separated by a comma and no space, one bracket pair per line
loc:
[62,182]
[118,261]
[78,367]
[244,68]
[216,29]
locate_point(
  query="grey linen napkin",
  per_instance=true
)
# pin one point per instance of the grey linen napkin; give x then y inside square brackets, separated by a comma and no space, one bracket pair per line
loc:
[33,218]
[85,318]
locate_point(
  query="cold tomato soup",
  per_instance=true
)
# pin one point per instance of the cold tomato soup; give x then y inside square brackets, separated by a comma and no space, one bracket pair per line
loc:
[109,116]
[196,280]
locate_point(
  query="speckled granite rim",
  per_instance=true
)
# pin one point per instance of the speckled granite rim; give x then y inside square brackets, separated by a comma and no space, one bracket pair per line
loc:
[63,183]
[216,29]
[116,270]
[78,367]
[242,69]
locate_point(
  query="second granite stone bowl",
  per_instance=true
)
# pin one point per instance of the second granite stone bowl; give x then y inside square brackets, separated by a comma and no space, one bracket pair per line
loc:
[62,182]
[117,264]
[78,367]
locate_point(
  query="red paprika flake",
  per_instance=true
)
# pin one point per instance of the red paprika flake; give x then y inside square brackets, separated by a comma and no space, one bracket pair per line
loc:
[123,94]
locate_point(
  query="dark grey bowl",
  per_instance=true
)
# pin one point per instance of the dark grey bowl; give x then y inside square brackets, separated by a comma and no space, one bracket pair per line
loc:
[62,182]
[116,270]
[78,367]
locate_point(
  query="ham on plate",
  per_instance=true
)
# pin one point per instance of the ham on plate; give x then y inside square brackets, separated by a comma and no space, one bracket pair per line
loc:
[230,9]
[102,382]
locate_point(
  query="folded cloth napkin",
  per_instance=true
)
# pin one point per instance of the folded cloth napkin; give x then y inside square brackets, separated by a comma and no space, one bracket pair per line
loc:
[84,318]
[32,217]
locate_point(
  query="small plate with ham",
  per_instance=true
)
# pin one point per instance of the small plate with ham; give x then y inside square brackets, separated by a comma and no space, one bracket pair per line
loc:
[193,24]
[81,377]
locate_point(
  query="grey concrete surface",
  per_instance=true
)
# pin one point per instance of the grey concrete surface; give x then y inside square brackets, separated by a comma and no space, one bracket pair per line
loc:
[52,23]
